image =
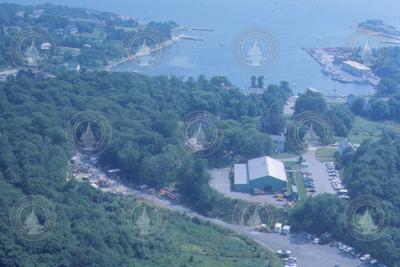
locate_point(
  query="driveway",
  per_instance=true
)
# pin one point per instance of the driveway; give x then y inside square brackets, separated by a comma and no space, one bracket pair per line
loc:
[220,182]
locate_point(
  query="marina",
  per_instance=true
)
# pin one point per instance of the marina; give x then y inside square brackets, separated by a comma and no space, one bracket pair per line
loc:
[338,63]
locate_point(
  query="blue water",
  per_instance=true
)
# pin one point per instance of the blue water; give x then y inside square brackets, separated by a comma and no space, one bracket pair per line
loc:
[292,23]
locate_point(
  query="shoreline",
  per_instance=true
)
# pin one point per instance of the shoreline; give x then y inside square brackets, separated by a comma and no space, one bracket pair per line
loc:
[120,61]
[334,70]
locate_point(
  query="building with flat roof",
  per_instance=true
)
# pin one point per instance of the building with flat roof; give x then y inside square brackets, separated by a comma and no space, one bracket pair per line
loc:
[356,68]
[264,173]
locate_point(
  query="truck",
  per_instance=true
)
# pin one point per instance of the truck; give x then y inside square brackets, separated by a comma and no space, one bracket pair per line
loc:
[278,227]
[285,230]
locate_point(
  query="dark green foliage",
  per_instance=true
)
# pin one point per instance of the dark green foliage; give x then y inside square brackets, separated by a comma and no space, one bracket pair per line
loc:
[144,113]
[310,101]
[339,117]
[372,170]
[103,31]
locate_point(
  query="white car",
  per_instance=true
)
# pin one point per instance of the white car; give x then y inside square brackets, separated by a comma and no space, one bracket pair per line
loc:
[316,241]
[365,257]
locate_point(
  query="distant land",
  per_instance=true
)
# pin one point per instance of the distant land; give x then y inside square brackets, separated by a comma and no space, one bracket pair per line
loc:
[349,64]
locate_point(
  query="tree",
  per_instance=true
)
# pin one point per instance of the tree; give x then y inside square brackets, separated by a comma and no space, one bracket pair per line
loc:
[273,124]
[379,110]
[358,106]
[310,101]
[260,81]
[253,81]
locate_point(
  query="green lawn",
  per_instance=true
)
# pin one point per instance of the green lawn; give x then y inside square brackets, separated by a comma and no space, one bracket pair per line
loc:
[293,167]
[366,129]
[325,154]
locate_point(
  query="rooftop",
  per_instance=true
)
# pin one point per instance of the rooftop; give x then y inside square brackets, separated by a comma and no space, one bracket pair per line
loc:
[356,65]
[258,168]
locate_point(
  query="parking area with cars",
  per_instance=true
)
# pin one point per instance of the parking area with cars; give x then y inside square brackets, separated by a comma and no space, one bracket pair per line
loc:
[335,180]
[345,250]
[318,180]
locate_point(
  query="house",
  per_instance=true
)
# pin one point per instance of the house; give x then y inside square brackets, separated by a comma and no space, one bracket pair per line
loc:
[71,29]
[264,173]
[356,68]
[279,143]
[69,66]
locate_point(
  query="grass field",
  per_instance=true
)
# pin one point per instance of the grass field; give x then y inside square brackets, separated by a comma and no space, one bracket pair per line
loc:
[325,154]
[293,167]
[366,129]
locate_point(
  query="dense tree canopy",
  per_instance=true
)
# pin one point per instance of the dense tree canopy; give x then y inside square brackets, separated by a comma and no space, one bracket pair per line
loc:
[372,170]
[144,113]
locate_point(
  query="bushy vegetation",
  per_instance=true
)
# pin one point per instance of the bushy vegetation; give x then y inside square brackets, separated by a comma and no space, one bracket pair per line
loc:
[144,113]
[72,29]
[338,117]
[372,170]
[385,104]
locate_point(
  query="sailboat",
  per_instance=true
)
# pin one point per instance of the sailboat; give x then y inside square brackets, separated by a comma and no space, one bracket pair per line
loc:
[199,140]
[32,56]
[255,56]
[366,54]
[32,224]
[143,54]
[255,219]
[143,222]
[366,224]
[310,135]
[87,140]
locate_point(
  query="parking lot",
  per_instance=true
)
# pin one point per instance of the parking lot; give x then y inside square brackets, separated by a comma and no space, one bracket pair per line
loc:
[306,253]
[319,172]
[220,182]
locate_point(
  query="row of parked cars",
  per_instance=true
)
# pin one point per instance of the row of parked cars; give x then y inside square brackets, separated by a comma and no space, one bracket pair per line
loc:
[365,259]
[308,181]
[288,261]
[335,180]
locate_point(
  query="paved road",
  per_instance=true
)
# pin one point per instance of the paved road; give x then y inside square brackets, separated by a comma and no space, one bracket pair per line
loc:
[319,172]
[307,255]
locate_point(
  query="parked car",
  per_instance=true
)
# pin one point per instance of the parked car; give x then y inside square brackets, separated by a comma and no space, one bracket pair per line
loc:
[333,244]
[283,253]
[325,238]
[304,164]
[373,262]
[365,258]
[316,241]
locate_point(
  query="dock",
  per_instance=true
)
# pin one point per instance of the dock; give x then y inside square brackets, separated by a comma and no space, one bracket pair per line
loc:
[202,29]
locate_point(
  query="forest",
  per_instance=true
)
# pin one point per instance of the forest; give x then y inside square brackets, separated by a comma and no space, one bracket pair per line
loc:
[144,113]
[385,104]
